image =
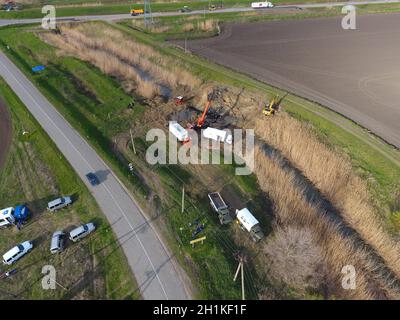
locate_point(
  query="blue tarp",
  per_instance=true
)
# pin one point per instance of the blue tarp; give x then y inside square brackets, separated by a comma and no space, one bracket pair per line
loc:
[21,213]
[38,68]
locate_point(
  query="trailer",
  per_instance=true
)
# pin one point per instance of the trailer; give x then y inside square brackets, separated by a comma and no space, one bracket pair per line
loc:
[178,131]
[249,223]
[260,5]
[217,135]
[220,207]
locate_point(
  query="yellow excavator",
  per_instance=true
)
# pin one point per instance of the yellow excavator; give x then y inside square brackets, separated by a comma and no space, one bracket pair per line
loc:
[272,107]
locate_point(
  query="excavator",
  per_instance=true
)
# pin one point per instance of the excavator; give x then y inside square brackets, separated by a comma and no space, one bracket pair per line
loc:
[272,107]
[202,119]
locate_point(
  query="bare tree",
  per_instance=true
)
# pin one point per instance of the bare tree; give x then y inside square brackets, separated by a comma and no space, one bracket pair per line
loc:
[296,258]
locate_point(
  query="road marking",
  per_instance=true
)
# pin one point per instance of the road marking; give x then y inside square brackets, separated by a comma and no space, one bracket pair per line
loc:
[91,168]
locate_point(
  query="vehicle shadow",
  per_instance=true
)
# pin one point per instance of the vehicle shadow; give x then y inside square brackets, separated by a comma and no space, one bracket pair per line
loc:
[102,175]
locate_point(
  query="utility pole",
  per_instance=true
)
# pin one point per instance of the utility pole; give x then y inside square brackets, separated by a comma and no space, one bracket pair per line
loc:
[185,44]
[133,143]
[183,199]
[148,16]
[240,267]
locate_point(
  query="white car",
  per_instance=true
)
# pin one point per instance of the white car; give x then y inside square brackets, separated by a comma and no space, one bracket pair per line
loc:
[17,252]
[81,232]
[59,203]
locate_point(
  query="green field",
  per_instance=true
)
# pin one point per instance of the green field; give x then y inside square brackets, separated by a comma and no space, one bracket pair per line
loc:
[36,173]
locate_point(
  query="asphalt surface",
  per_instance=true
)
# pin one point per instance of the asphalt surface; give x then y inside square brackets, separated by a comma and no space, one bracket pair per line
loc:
[5,132]
[354,72]
[157,274]
[114,17]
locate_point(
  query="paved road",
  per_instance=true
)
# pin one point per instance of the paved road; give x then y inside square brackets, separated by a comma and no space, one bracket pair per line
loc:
[155,272]
[113,17]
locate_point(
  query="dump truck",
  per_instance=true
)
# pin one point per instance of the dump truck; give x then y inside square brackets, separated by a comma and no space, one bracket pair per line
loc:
[136,12]
[249,223]
[13,216]
[220,207]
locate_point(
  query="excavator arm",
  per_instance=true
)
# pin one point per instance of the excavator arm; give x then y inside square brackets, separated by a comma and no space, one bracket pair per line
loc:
[202,119]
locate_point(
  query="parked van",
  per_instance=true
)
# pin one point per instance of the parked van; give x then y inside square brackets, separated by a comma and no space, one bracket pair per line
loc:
[57,242]
[17,252]
[81,232]
[59,203]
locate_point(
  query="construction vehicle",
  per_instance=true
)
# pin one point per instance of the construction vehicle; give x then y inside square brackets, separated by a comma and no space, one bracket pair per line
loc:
[250,224]
[272,107]
[201,121]
[220,207]
[136,12]
[179,100]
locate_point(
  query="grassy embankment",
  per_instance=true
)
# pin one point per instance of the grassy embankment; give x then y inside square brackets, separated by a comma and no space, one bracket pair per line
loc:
[36,173]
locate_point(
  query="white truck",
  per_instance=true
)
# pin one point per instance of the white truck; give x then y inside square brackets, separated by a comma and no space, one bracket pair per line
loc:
[13,216]
[178,131]
[220,207]
[249,223]
[217,135]
[260,5]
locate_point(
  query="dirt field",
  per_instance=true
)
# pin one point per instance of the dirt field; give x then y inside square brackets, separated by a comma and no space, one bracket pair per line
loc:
[354,72]
[5,132]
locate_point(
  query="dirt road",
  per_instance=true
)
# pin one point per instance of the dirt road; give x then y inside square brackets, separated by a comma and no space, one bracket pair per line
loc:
[354,72]
[5,132]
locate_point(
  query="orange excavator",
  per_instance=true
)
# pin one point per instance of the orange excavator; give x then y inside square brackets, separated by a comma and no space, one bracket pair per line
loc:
[202,119]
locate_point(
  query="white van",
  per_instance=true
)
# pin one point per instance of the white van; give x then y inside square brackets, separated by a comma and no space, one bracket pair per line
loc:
[81,232]
[57,242]
[17,252]
[59,204]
